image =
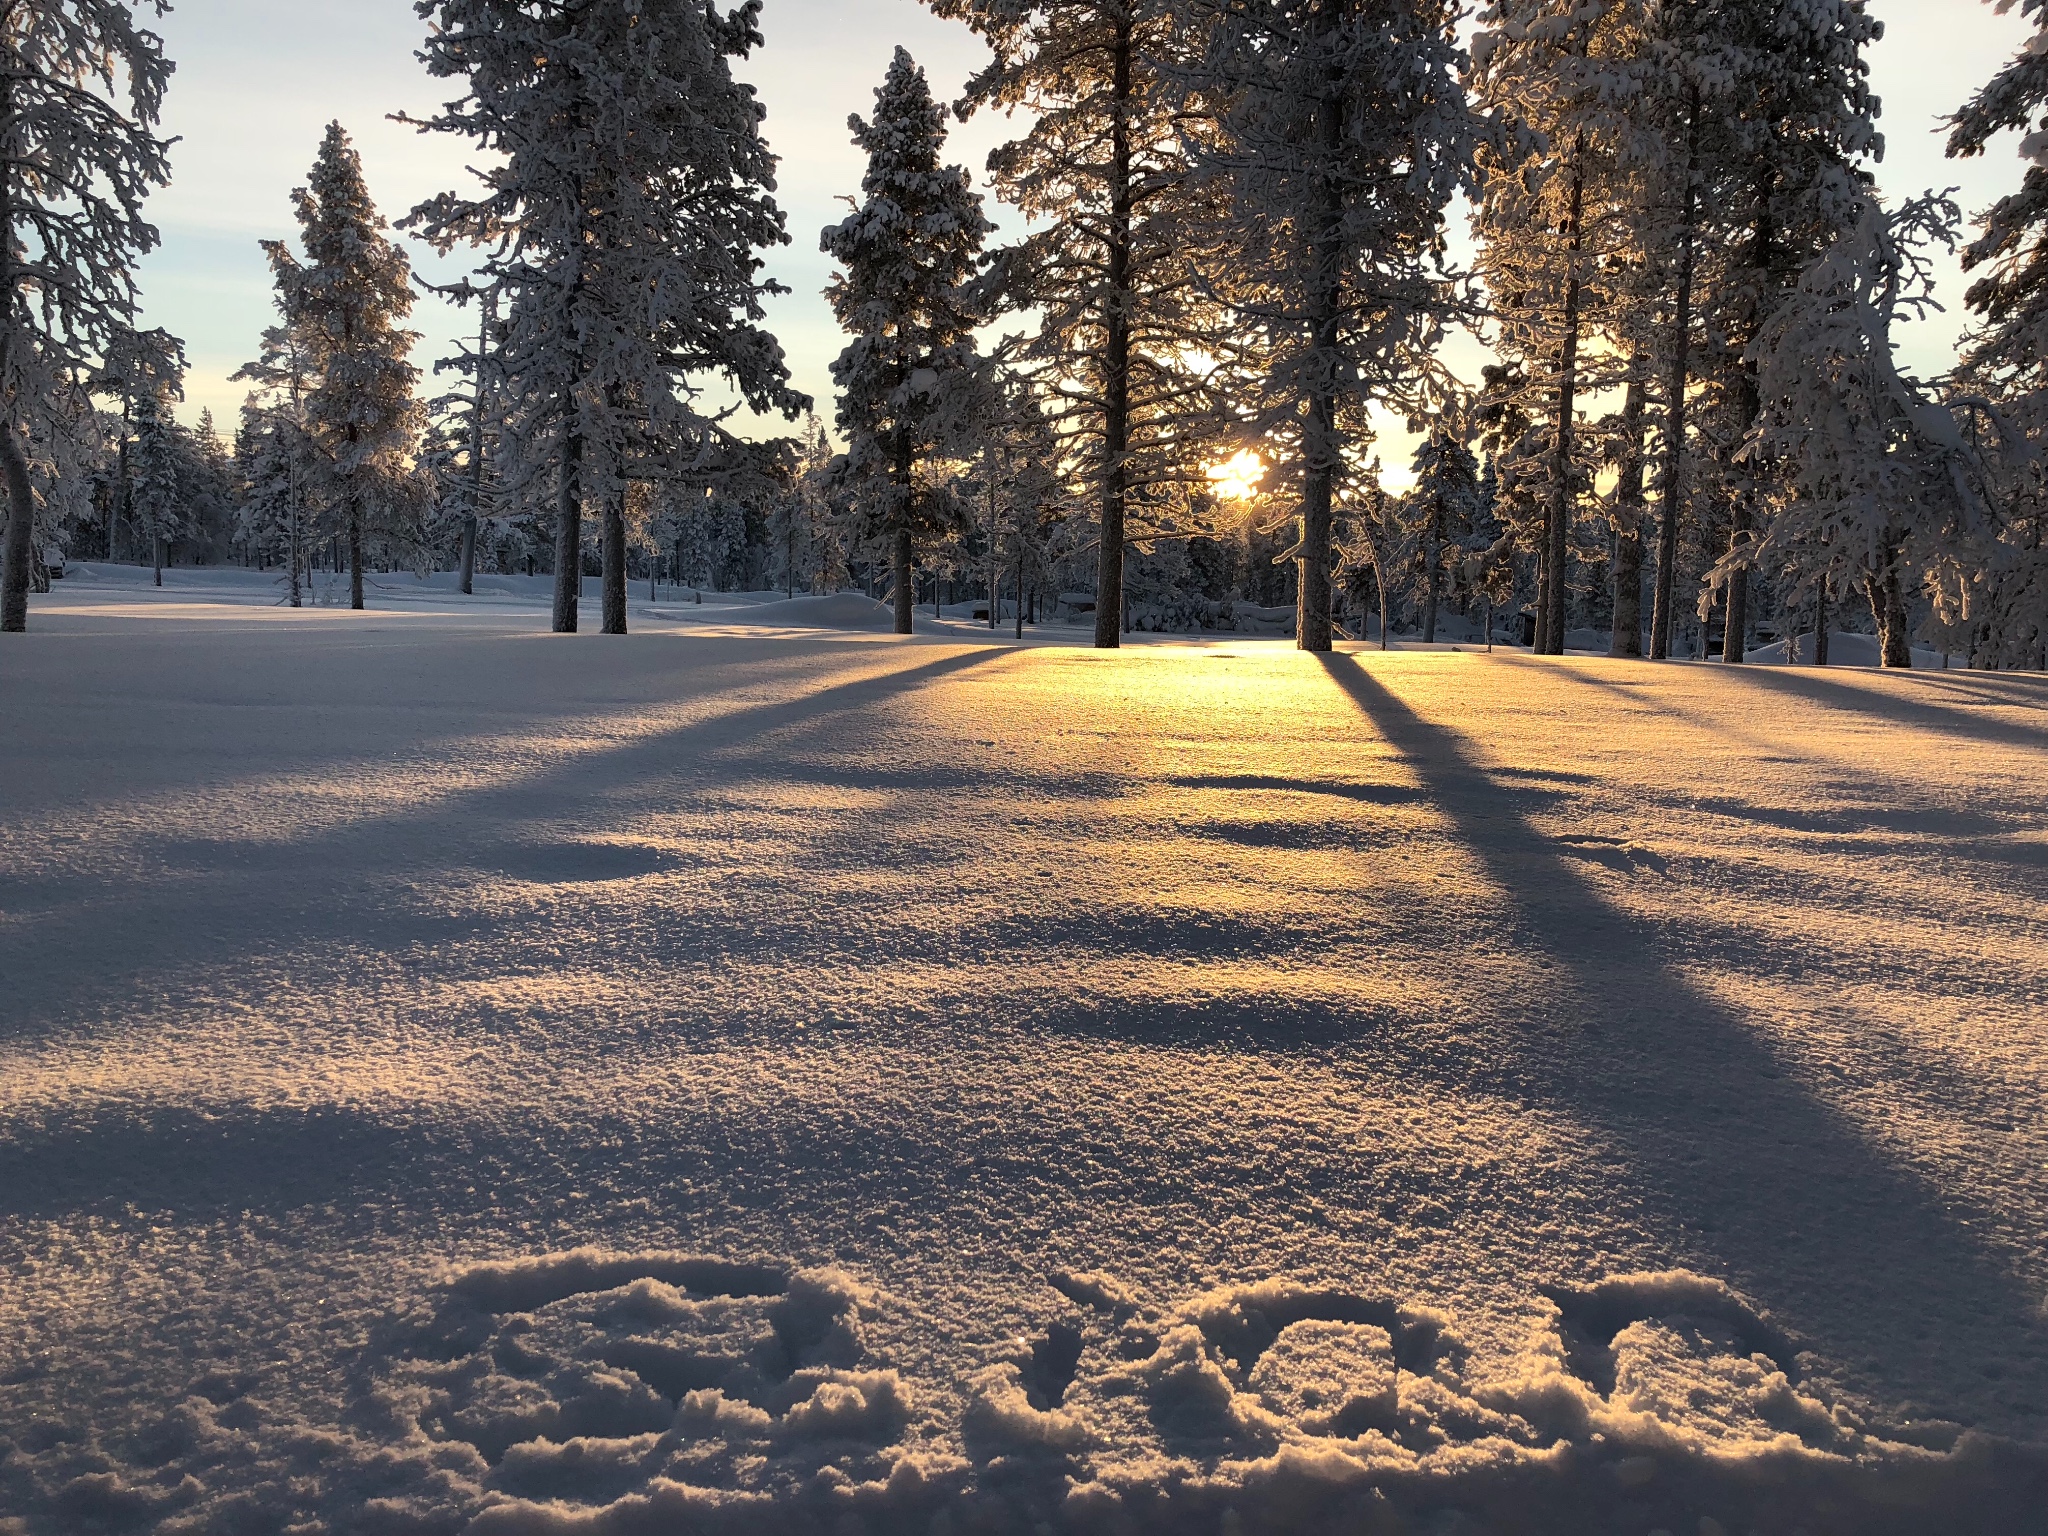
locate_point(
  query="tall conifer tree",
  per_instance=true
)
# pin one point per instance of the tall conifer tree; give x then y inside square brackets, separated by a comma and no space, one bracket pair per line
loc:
[624,221]
[907,252]
[1109,271]
[344,301]
[1336,133]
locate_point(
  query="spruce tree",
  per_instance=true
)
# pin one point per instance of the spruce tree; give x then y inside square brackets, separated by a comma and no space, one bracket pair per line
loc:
[1440,513]
[906,252]
[624,218]
[155,499]
[343,302]
[1336,133]
[81,90]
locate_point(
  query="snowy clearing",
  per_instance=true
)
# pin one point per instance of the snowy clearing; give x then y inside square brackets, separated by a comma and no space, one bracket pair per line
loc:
[458,1078]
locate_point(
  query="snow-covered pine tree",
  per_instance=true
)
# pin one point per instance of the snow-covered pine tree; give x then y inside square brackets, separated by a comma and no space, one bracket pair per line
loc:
[1334,134]
[907,380]
[156,503]
[1880,479]
[1440,513]
[2005,359]
[1123,322]
[623,219]
[802,537]
[275,453]
[81,89]
[2010,347]
[464,421]
[1572,80]
[1782,165]
[344,301]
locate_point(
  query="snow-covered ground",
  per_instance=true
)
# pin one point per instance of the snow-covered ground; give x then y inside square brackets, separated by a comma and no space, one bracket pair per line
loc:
[769,1079]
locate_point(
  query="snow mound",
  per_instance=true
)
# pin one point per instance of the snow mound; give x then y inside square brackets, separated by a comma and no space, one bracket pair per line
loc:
[1845,649]
[840,610]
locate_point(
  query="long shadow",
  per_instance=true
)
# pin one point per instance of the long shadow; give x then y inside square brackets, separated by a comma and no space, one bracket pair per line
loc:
[1898,704]
[59,956]
[1744,1171]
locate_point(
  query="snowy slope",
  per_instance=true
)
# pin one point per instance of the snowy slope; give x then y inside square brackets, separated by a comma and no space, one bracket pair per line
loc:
[453,1077]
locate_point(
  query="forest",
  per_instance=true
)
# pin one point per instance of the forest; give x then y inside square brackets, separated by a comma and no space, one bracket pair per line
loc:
[1247,230]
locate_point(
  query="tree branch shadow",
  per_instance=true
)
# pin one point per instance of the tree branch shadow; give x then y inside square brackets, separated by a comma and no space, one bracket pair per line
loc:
[1745,1170]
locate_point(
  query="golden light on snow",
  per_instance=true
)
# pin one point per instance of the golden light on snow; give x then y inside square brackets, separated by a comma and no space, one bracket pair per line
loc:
[1238,478]
[1265,984]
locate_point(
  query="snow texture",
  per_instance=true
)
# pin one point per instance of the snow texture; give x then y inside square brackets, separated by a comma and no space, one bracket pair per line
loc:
[454,1078]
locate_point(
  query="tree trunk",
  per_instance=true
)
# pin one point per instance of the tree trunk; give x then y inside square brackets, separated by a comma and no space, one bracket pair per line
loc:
[476,445]
[1735,645]
[1820,623]
[905,595]
[19,546]
[569,535]
[156,550]
[615,562]
[1664,583]
[1628,546]
[355,556]
[1735,640]
[1432,554]
[1558,525]
[1312,622]
[1116,383]
[1888,609]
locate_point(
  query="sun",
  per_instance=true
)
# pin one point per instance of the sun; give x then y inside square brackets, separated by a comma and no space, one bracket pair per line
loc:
[1237,479]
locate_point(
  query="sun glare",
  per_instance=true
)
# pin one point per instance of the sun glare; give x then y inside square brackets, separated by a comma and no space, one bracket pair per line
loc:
[1237,479]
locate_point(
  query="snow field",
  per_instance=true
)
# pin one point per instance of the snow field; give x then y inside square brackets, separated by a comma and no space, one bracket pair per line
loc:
[458,1078]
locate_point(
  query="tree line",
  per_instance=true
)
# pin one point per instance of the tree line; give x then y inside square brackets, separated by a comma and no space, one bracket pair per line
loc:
[1237,247]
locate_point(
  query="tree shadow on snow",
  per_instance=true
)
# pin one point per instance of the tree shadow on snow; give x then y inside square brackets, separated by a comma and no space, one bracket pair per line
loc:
[1916,701]
[58,951]
[1748,1175]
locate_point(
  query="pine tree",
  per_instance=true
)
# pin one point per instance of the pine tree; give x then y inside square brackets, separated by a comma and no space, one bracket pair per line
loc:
[465,423]
[156,501]
[2005,359]
[1123,321]
[907,379]
[1881,482]
[2010,347]
[1783,170]
[1573,81]
[801,535]
[1336,133]
[274,450]
[624,221]
[81,89]
[1440,513]
[344,302]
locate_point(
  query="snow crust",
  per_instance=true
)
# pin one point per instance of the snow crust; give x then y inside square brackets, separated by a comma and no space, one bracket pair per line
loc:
[458,1079]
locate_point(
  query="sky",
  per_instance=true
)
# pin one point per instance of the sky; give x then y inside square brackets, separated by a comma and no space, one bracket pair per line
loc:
[258,80]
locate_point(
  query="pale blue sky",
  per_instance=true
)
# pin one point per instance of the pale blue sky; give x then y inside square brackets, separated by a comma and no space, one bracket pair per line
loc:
[258,80]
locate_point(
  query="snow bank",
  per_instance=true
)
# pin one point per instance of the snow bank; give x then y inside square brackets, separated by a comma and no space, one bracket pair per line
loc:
[1845,649]
[840,610]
